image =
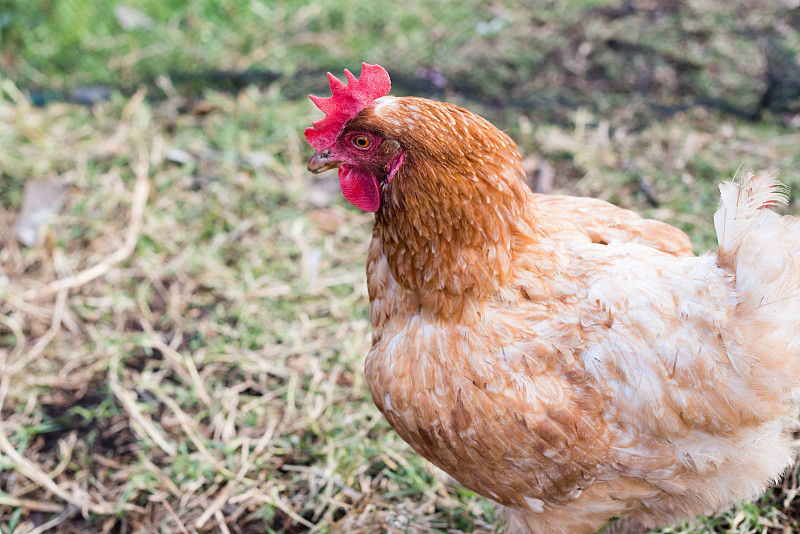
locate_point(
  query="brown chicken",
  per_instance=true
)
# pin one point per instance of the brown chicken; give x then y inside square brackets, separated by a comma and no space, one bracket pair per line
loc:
[562,356]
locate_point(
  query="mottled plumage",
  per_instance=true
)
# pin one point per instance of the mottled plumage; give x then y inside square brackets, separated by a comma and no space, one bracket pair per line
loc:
[563,356]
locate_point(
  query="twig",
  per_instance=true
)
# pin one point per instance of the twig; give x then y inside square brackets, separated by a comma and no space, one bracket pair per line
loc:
[133,410]
[66,447]
[327,476]
[19,338]
[217,504]
[28,504]
[44,341]
[221,522]
[247,464]
[170,485]
[175,517]
[63,516]
[194,436]
[30,470]
[275,500]
[181,363]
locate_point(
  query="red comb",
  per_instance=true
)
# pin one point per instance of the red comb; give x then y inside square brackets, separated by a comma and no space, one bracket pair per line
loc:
[346,102]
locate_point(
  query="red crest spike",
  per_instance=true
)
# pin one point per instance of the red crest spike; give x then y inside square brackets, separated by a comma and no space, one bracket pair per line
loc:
[346,101]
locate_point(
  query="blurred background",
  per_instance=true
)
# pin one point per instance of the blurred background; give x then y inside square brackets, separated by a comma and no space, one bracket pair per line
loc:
[183,310]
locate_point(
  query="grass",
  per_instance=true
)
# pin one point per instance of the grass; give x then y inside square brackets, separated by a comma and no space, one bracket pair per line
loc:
[182,349]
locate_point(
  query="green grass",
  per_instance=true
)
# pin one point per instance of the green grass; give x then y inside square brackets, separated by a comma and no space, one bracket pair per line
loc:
[209,377]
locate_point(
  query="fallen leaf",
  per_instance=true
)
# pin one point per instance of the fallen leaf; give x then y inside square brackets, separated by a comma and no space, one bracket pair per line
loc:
[39,201]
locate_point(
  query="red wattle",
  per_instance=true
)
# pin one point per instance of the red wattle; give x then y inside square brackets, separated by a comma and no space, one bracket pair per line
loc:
[360,188]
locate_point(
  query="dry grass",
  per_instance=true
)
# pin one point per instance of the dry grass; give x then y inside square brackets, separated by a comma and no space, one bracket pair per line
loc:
[182,349]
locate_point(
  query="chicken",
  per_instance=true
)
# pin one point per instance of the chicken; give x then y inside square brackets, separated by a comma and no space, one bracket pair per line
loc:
[562,356]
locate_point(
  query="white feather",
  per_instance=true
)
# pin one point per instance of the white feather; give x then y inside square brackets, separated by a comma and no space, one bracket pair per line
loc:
[741,201]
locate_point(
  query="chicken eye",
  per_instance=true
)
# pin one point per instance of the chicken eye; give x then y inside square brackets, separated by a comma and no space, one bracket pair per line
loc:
[362,141]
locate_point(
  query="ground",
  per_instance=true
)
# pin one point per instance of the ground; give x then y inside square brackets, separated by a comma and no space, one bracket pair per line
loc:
[183,343]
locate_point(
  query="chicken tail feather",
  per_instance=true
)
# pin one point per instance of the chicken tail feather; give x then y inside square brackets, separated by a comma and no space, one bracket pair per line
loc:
[762,251]
[741,204]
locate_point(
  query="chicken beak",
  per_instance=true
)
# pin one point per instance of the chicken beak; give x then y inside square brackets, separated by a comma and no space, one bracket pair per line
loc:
[322,162]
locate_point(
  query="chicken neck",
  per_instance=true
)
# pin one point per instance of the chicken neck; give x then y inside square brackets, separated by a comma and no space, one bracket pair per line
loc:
[450,234]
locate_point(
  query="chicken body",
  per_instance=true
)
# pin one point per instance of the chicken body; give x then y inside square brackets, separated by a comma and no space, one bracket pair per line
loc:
[561,356]
[616,382]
